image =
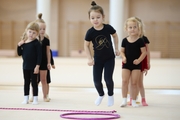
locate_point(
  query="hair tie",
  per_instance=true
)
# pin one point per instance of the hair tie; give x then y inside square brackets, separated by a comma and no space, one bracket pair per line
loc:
[93,3]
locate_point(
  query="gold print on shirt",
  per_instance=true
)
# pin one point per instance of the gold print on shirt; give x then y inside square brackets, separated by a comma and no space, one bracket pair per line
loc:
[101,42]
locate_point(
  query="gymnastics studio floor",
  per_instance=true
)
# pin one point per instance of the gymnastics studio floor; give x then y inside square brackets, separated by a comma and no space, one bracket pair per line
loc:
[72,90]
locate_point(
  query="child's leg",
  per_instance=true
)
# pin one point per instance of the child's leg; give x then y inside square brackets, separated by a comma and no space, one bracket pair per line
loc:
[31,99]
[38,80]
[35,89]
[97,76]
[27,79]
[130,93]
[43,76]
[142,92]
[129,98]
[48,82]
[125,81]
[108,77]
[134,81]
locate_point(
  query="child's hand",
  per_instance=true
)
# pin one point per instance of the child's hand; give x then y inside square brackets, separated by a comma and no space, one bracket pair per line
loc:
[145,71]
[91,62]
[21,42]
[136,62]
[49,66]
[36,70]
[117,53]
[53,66]
[123,59]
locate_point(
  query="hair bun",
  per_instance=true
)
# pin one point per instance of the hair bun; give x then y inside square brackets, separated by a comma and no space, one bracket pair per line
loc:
[93,3]
[40,16]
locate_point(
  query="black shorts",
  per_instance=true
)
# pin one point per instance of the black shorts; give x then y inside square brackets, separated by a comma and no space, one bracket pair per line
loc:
[131,66]
[43,65]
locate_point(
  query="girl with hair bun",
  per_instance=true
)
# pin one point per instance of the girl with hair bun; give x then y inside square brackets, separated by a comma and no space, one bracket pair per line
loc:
[46,56]
[104,55]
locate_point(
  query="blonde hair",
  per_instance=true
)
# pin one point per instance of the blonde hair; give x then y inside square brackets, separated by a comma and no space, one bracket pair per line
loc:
[32,26]
[139,25]
[142,26]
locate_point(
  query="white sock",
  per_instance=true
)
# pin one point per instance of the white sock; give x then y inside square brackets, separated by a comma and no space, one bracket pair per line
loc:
[134,103]
[99,100]
[26,98]
[48,97]
[110,100]
[137,98]
[35,100]
[124,102]
[128,97]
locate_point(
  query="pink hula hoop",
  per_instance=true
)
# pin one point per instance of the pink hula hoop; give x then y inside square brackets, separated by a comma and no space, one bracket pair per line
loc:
[111,114]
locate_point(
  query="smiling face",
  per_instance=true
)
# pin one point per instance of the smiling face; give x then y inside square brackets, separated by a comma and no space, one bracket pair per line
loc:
[96,19]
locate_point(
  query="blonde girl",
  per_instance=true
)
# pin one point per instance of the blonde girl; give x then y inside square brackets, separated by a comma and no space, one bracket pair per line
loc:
[132,52]
[145,64]
[45,63]
[30,50]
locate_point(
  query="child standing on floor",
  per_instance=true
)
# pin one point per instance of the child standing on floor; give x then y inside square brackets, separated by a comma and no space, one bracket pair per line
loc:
[104,57]
[133,51]
[45,63]
[48,76]
[145,65]
[30,49]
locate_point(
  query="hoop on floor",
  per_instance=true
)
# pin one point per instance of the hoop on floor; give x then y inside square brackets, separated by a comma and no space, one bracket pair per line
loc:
[69,115]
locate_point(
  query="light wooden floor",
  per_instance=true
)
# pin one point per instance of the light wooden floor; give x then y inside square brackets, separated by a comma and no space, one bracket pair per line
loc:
[72,89]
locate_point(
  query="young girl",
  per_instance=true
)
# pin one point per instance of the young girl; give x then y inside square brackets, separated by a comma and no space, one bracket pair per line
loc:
[48,77]
[104,57]
[30,49]
[45,63]
[132,52]
[145,65]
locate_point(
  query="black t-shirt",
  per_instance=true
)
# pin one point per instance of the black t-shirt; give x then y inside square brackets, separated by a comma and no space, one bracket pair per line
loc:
[146,41]
[31,54]
[44,43]
[101,40]
[132,50]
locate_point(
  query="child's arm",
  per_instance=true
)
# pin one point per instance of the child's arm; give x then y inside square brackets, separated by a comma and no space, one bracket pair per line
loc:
[122,53]
[19,49]
[142,56]
[36,69]
[115,38]
[148,56]
[48,57]
[88,53]
[52,60]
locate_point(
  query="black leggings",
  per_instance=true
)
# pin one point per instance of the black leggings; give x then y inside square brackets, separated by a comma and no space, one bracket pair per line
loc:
[29,76]
[108,67]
